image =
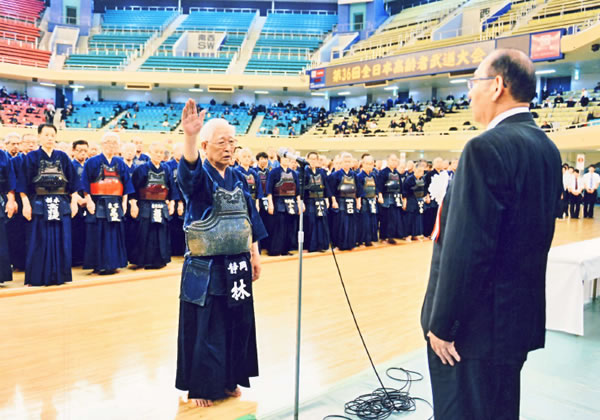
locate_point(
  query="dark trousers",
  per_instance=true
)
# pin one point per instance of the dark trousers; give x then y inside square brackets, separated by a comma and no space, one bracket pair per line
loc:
[475,389]
[589,200]
[575,206]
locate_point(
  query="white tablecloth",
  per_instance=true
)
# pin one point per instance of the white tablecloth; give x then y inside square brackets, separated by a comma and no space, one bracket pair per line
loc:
[571,269]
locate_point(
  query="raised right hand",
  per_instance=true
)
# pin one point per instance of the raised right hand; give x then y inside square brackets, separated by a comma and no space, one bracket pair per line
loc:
[191,122]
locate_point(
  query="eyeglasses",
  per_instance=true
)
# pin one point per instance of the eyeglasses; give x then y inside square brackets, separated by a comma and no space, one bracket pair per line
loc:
[471,81]
[223,142]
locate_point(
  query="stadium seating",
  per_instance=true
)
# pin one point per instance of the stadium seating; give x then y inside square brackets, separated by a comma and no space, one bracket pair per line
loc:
[234,22]
[137,19]
[573,15]
[238,117]
[278,121]
[212,20]
[13,111]
[19,34]
[287,42]
[153,117]
[92,115]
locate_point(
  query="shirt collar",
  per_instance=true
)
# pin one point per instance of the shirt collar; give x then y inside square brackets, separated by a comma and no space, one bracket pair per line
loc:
[506,114]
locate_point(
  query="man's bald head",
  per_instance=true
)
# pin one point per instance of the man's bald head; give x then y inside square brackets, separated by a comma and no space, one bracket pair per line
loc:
[517,71]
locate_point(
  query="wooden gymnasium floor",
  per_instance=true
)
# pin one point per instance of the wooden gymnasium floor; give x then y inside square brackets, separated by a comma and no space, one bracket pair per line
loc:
[105,348]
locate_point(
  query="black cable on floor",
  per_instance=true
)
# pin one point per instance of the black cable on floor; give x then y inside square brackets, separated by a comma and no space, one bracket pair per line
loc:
[382,402]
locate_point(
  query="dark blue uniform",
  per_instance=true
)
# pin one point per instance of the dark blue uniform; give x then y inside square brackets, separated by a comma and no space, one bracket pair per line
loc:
[8,182]
[176,223]
[284,187]
[367,193]
[78,225]
[414,192]
[17,227]
[216,342]
[153,186]
[316,191]
[106,182]
[48,260]
[389,183]
[345,226]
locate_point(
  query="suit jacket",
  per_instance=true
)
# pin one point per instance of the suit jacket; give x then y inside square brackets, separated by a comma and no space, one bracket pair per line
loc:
[486,287]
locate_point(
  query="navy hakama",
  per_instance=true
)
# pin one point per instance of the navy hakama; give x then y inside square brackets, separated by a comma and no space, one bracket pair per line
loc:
[284,187]
[414,191]
[392,217]
[216,347]
[176,222]
[78,226]
[343,187]
[17,227]
[8,183]
[316,192]
[105,249]
[152,247]
[367,191]
[48,260]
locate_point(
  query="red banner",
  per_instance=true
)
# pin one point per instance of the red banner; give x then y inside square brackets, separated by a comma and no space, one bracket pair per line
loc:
[545,45]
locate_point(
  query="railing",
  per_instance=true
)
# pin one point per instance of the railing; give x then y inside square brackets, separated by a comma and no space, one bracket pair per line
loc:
[15,17]
[149,8]
[23,62]
[92,67]
[110,27]
[183,70]
[259,72]
[222,9]
[300,12]
[19,37]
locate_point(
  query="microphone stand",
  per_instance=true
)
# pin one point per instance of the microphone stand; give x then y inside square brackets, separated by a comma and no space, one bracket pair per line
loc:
[301,169]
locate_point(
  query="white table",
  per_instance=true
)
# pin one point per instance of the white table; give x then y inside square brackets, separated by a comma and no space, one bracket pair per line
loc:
[570,277]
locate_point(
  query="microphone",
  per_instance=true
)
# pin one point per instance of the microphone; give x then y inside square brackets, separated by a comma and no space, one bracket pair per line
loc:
[284,152]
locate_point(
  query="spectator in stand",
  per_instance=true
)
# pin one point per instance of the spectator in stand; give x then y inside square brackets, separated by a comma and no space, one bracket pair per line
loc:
[546,126]
[570,102]
[584,99]
[558,100]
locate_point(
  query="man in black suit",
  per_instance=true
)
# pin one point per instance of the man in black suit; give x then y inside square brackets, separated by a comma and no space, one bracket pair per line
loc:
[484,308]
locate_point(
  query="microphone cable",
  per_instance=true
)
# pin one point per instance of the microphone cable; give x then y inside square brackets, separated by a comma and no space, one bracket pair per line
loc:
[383,401]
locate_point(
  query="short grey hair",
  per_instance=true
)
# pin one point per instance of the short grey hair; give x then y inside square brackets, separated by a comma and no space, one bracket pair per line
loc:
[108,135]
[13,135]
[208,129]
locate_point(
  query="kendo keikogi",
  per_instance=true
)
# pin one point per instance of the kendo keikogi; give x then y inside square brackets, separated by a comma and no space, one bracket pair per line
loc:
[78,224]
[176,223]
[153,189]
[263,175]
[343,187]
[282,187]
[8,183]
[47,181]
[368,194]
[217,336]
[316,194]
[415,194]
[107,185]
[392,223]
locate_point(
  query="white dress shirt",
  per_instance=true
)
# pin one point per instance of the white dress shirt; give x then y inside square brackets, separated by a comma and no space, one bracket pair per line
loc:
[504,115]
[591,180]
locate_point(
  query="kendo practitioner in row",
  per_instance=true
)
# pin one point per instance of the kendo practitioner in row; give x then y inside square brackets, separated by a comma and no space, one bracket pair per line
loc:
[152,206]
[176,222]
[128,151]
[431,206]
[48,185]
[80,151]
[389,183]
[262,171]
[140,157]
[283,192]
[216,347]
[18,227]
[368,194]
[415,200]
[8,208]
[344,205]
[254,185]
[316,202]
[106,184]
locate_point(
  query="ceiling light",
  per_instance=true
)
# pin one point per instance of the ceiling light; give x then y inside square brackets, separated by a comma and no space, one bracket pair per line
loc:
[195,90]
[77,86]
[457,81]
[549,71]
[343,93]
[318,94]
[391,88]
[47,84]
[261,92]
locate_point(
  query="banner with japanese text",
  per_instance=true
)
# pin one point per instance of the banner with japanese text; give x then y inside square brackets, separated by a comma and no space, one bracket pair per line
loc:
[442,60]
